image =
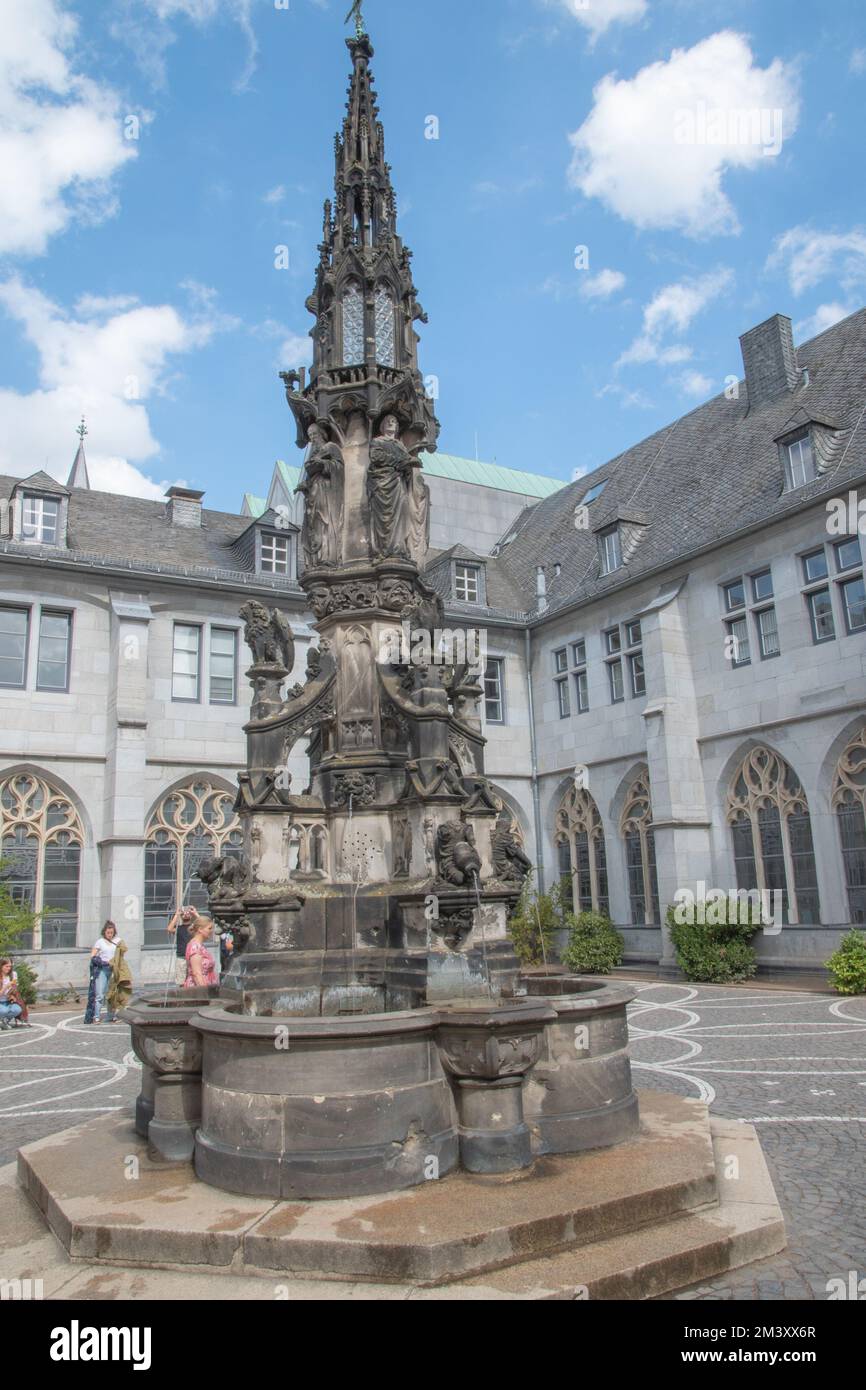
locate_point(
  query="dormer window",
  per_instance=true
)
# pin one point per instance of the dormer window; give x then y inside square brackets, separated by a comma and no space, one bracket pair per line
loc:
[595,491]
[799,461]
[610,550]
[466,583]
[39,519]
[275,554]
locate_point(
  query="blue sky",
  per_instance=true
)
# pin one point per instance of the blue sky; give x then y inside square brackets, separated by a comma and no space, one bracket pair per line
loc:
[137,275]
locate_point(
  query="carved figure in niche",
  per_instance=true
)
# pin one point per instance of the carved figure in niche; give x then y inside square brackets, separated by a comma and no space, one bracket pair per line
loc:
[268,634]
[225,879]
[419,516]
[322,490]
[457,856]
[402,849]
[357,674]
[389,478]
[430,846]
[510,863]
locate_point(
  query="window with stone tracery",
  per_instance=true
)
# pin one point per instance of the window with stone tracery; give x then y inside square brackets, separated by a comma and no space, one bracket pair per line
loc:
[580,845]
[353,327]
[190,825]
[41,839]
[772,833]
[640,851]
[849,803]
[307,848]
[385,341]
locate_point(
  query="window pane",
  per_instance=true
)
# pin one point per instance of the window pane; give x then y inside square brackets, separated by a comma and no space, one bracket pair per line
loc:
[852,832]
[384,328]
[613,640]
[772,854]
[744,854]
[633,634]
[275,554]
[735,595]
[562,697]
[560,660]
[800,462]
[353,327]
[52,672]
[13,645]
[601,876]
[638,675]
[493,702]
[60,891]
[634,864]
[805,873]
[821,616]
[762,586]
[768,632]
[815,565]
[564,856]
[223,661]
[160,892]
[854,597]
[466,583]
[581,688]
[739,645]
[617,690]
[578,653]
[610,551]
[185,665]
[582,879]
[848,554]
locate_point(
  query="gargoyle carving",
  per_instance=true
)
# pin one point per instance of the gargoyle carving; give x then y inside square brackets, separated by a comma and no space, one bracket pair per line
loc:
[226,879]
[268,634]
[457,858]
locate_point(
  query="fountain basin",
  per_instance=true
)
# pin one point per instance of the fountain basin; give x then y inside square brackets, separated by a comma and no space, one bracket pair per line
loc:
[168,1107]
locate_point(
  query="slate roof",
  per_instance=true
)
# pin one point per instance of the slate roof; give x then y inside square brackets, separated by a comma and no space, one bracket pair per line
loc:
[136,534]
[713,473]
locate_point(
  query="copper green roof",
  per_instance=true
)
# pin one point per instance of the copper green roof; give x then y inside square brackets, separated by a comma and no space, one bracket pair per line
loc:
[290,476]
[255,505]
[491,475]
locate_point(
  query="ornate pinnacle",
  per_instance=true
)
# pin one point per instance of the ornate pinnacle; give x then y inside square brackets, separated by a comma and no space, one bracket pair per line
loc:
[81,431]
[355,12]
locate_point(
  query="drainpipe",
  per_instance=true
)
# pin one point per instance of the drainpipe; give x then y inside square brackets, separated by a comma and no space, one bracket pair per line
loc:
[536,803]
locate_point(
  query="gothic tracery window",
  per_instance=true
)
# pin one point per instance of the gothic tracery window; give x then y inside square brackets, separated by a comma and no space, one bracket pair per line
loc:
[385,341]
[353,327]
[41,839]
[849,803]
[772,833]
[580,844]
[188,826]
[636,827]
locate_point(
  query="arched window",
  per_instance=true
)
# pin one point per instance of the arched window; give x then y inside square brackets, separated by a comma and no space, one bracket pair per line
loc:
[353,327]
[772,833]
[582,860]
[40,846]
[849,803]
[189,825]
[640,850]
[385,343]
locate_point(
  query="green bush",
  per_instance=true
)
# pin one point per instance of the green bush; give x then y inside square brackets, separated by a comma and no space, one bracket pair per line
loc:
[847,965]
[717,952]
[594,945]
[534,923]
[16,919]
[27,978]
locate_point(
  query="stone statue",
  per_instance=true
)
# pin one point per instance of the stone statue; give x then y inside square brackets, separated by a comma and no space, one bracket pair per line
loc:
[226,879]
[389,478]
[459,862]
[322,490]
[510,863]
[419,517]
[268,634]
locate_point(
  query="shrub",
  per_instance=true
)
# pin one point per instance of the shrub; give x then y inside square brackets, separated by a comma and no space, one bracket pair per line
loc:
[16,919]
[534,923]
[717,952]
[594,945]
[847,965]
[27,978]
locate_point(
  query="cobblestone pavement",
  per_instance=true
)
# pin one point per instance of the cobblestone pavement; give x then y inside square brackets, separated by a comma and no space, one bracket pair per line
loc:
[794,1065]
[791,1063]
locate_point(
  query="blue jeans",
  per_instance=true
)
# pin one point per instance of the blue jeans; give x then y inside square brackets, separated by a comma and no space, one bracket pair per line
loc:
[103,975]
[10,1010]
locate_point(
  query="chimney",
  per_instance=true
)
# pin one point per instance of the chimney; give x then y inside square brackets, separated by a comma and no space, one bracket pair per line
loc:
[184,506]
[770,359]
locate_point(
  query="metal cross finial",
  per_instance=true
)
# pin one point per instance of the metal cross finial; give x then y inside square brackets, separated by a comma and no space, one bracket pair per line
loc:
[82,430]
[355,11]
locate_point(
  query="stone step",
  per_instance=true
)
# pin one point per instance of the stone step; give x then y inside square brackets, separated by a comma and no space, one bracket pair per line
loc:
[747,1225]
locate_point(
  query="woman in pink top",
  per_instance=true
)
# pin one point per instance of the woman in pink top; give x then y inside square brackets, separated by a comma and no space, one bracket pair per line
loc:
[200,968]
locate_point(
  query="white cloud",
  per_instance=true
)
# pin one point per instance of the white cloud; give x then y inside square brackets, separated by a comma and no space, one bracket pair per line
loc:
[105,363]
[857,62]
[598,15]
[808,257]
[655,148]
[632,400]
[275,195]
[695,384]
[824,317]
[149,31]
[293,349]
[61,134]
[602,285]
[670,313]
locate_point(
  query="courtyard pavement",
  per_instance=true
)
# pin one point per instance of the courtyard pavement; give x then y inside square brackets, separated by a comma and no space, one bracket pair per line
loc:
[789,1062]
